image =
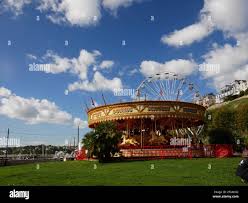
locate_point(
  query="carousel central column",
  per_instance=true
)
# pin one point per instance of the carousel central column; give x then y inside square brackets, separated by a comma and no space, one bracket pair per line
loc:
[127,128]
[155,125]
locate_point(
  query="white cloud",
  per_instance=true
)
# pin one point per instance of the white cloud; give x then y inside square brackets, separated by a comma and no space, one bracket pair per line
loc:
[233,62]
[35,111]
[31,56]
[242,73]
[133,71]
[188,35]
[81,123]
[99,82]
[31,110]
[78,66]
[229,16]
[66,92]
[184,67]
[80,13]
[4,92]
[113,5]
[106,64]
[76,12]
[15,6]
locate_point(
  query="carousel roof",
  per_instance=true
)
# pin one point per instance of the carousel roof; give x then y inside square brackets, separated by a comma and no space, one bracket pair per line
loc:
[146,110]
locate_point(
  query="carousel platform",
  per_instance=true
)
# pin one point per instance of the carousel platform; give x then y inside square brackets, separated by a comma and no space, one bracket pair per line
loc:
[195,151]
[163,153]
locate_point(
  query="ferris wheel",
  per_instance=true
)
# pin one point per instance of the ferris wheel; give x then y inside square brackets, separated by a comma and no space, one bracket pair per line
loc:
[167,86]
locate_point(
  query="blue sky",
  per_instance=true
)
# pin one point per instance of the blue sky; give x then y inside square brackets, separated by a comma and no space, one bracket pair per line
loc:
[147,41]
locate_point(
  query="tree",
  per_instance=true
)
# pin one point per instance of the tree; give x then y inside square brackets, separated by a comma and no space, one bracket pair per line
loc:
[107,140]
[89,141]
[242,122]
[103,141]
[242,118]
[224,118]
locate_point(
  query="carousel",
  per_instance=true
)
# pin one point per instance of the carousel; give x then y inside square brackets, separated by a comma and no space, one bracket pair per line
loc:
[162,119]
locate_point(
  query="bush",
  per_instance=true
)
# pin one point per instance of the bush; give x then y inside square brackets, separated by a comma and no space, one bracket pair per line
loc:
[220,136]
[230,98]
[241,146]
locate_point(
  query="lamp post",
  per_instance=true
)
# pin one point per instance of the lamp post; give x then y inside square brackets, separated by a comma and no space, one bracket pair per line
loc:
[78,137]
[7,146]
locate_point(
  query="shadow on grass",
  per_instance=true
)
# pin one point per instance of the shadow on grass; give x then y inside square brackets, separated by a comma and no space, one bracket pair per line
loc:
[126,160]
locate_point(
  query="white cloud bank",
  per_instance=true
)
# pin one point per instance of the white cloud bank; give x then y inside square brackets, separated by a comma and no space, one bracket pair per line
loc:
[189,34]
[233,62]
[184,67]
[106,64]
[99,82]
[33,111]
[80,67]
[76,12]
[80,123]
[15,6]
[71,12]
[113,5]
[229,16]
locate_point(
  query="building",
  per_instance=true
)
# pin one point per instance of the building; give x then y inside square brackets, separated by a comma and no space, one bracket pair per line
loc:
[231,89]
[207,100]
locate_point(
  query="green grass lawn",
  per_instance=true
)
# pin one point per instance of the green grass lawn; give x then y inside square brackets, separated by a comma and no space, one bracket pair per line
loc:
[178,172]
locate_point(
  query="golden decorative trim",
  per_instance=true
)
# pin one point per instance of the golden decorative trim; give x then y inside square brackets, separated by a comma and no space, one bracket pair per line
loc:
[145,109]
